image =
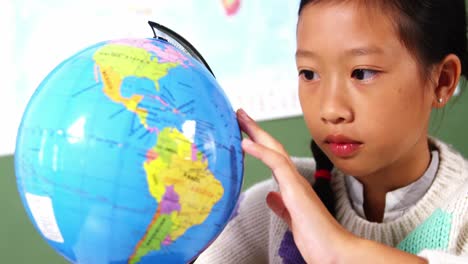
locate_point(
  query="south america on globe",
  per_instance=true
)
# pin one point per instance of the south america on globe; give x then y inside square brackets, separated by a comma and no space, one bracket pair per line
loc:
[129,152]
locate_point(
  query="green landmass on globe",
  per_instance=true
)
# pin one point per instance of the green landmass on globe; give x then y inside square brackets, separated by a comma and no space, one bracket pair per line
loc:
[183,202]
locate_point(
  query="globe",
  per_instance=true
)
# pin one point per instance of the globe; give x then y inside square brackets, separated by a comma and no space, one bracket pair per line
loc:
[129,152]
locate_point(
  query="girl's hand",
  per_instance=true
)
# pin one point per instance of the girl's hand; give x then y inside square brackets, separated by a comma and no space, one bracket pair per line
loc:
[318,236]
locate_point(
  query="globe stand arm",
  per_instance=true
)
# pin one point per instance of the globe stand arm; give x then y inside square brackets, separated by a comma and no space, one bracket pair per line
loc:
[166,34]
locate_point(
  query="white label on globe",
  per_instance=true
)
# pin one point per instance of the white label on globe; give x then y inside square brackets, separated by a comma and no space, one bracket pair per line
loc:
[43,213]
[189,129]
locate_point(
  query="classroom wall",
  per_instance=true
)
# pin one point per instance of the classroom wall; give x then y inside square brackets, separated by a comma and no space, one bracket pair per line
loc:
[20,243]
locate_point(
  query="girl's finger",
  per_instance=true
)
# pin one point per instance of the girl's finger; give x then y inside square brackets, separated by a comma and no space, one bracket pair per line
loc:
[293,187]
[280,165]
[276,204]
[257,134]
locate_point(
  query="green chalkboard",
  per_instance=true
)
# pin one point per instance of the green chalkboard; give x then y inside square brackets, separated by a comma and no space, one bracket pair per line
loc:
[20,243]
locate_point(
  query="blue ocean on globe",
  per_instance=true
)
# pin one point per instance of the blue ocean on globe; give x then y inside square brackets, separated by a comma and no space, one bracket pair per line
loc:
[129,152]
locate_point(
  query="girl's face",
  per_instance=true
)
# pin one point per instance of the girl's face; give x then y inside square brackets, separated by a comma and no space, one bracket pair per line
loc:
[361,91]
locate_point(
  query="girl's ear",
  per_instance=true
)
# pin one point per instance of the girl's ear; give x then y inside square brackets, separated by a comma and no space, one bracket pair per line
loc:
[447,78]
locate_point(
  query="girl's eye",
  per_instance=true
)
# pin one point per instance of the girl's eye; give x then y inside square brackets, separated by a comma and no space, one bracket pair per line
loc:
[308,75]
[363,74]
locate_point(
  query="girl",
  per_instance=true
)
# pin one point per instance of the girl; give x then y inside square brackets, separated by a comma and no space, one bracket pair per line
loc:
[370,72]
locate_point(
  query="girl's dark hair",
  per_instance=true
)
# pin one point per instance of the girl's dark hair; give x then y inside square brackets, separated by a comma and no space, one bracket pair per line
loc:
[322,182]
[430,29]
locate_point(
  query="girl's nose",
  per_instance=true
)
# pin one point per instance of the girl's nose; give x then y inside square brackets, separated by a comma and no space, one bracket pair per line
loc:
[335,105]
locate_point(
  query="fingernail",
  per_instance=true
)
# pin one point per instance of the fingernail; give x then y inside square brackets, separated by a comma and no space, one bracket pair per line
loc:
[243,114]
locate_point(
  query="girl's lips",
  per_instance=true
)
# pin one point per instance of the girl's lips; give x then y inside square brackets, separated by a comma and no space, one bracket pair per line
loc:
[344,150]
[342,146]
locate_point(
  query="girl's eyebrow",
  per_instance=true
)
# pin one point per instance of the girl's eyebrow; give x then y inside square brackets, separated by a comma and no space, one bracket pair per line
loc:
[300,53]
[353,52]
[364,51]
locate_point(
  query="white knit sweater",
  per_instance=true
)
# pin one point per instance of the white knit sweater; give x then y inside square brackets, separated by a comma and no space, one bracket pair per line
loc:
[436,227]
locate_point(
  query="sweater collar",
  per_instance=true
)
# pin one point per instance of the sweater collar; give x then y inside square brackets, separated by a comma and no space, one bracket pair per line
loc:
[398,201]
[451,174]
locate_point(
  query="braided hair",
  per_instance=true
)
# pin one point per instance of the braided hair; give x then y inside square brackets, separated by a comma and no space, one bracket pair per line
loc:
[322,177]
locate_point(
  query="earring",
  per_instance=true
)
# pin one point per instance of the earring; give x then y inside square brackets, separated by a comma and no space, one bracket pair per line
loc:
[440,100]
